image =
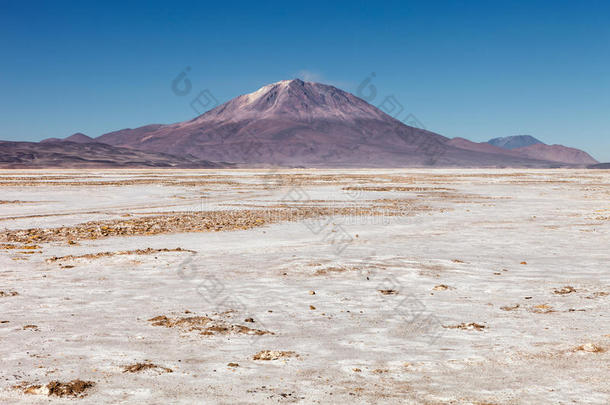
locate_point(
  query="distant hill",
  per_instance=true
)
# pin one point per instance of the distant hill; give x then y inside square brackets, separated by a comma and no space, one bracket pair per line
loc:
[485,147]
[514,142]
[68,154]
[77,137]
[558,154]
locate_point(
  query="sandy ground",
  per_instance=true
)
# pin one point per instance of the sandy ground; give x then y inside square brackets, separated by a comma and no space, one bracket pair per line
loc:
[447,286]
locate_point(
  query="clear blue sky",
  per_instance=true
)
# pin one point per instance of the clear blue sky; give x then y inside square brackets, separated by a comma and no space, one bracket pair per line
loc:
[471,69]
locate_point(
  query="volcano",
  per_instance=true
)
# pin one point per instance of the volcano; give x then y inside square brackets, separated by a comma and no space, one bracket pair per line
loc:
[297,123]
[293,123]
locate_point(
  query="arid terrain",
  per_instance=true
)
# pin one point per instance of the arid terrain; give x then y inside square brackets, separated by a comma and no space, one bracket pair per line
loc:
[416,286]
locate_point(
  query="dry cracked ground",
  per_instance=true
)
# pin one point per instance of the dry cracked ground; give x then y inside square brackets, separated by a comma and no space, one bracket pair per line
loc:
[293,286]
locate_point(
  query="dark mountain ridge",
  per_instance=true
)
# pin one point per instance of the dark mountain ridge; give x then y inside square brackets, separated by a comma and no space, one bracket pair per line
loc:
[69,154]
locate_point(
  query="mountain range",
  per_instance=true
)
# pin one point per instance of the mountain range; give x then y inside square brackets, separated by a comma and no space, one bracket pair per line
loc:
[289,123]
[81,154]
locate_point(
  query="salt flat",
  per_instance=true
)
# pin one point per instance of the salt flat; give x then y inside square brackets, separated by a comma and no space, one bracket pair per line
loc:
[305,286]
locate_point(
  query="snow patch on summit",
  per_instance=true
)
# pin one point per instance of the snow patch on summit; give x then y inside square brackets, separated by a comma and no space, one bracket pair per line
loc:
[252,97]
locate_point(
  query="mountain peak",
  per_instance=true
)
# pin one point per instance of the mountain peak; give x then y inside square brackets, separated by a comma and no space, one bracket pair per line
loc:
[514,142]
[282,85]
[79,137]
[289,82]
[297,101]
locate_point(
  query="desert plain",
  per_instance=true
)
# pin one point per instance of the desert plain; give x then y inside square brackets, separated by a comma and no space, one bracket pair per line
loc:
[397,286]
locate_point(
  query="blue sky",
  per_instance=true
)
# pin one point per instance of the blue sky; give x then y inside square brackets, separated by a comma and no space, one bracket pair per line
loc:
[472,69]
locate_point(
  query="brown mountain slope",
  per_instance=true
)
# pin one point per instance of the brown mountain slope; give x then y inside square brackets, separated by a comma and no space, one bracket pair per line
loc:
[556,153]
[539,151]
[484,147]
[66,154]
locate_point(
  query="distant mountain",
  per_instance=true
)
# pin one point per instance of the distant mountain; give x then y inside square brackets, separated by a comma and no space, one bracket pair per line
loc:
[605,166]
[77,137]
[514,142]
[556,153]
[485,147]
[296,123]
[69,154]
[289,123]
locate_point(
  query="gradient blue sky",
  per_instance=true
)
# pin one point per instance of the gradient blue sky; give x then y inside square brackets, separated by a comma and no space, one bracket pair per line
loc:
[475,69]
